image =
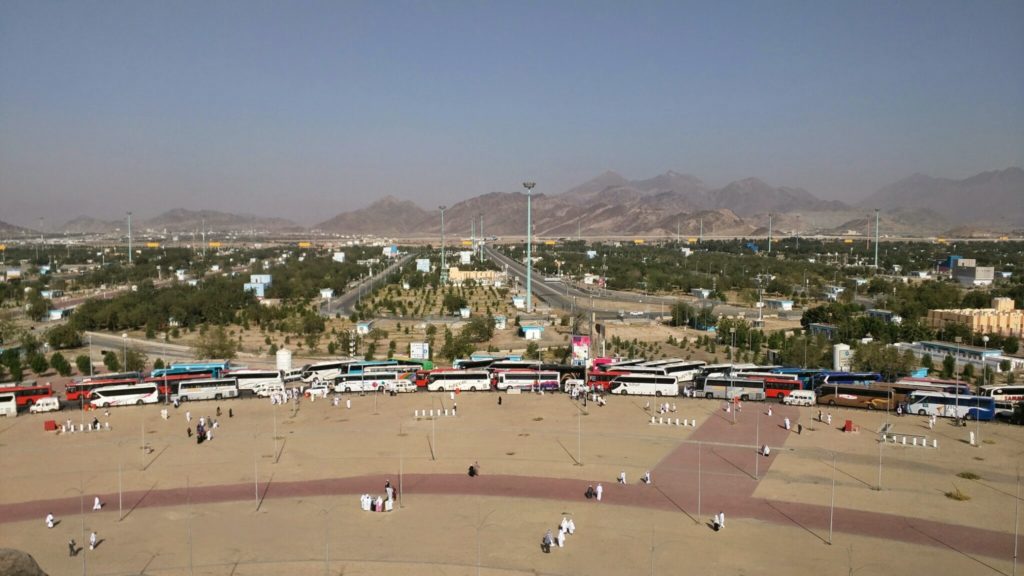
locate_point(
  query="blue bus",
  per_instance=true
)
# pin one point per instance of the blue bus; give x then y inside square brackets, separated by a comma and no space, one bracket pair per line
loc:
[948,405]
[805,375]
[846,378]
[214,368]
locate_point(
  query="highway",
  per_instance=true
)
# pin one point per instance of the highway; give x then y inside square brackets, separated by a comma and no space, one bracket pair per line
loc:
[346,302]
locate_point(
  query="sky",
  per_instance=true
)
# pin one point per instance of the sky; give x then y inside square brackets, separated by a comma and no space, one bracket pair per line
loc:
[306,109]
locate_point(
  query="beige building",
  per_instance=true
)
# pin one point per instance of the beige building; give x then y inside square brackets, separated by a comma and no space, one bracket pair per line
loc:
[1002,318]
[484,277]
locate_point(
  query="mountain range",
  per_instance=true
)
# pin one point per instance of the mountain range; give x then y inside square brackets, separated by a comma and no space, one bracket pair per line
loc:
[670,203]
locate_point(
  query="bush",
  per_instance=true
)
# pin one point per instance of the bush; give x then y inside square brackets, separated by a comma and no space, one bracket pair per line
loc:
[60,364]
[111,361]
[83,364]
[65,336]
[37,362]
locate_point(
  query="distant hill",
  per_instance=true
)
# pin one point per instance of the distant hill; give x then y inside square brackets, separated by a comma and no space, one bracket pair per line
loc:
[987,200]
[11,229]
[90,225]
[386,217]
[181,220]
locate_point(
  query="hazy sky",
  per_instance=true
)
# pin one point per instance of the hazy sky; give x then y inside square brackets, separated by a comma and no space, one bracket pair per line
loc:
[306,109]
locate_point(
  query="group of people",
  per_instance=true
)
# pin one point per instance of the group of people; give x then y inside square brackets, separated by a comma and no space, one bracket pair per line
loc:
[594,492]
[662,408]
[566,527]
[718,521]
[205,427]
[51,522]
[378,504]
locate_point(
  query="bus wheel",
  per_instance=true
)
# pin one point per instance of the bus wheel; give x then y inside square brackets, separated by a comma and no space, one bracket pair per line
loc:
[744,398]
[472,388]
[216,396]
[920,412]
[968,416]
[871,406]
[657,393]
[781,398]
[832,403]
[709,395]
[138,402]
[348,389]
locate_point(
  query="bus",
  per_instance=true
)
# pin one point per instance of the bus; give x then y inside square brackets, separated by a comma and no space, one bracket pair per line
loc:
[216,368]
[528,380]
[951,405]
[249,380]
[396,367]
[873,397]
[603,380]
[1005,396]
[685,370]
[124,395]
[324,371]
[167,384]
[8,405]
[368,382]
[903,387]
[805,375]
[847,378]
[26,393]
[78,390]
[728,387]
[645,385]
[514,365]
[779,388]
[208,389]
[449,380]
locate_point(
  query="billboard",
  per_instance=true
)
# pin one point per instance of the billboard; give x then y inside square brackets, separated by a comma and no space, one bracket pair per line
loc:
[152,244]
[305,244]
[215,244]
[419,350]
[580,350]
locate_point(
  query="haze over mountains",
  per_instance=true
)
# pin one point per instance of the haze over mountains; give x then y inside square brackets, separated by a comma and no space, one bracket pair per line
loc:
[612,205]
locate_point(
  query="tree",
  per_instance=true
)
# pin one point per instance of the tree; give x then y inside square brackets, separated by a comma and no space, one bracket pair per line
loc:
[60,364]
[215,343]
[967,372]
[532,351]
[1011,345]
[64,336]
[158,364]
[452,303]
[17,371]
[111,361]
[37,362]
[135,360]
[927,363]
[479,329]
[84,364]
[948,366]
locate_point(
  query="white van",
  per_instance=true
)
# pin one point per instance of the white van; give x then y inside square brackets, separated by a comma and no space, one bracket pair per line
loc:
[48,404]
[268,389]
[801,398]
[8,405]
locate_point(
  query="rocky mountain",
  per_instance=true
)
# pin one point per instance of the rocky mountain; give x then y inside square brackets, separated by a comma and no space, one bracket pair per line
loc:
[90,225]
[989,199]
[12,230]
[181,220]
[753,196]
[386,217]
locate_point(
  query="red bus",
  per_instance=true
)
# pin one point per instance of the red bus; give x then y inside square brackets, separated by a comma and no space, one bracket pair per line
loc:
[167,385]
[78,390]
[779,388]
[603,380]
[27,393]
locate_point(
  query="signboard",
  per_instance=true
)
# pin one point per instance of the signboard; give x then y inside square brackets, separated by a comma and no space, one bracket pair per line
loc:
[580,350]
[419,350]
[3,247]
[214,244]
[152,244]
[304,244]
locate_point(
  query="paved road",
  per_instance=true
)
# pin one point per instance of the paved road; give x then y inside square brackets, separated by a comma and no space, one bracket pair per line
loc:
[345,303]
[723,479]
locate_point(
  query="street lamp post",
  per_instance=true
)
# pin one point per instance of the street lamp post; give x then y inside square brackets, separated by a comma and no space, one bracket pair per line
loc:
[956,361]
[124,339]
[129,238]
[444,269]
[529,245]
[984,368]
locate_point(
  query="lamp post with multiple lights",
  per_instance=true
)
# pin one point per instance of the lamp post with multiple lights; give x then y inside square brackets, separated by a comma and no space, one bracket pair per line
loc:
[444,269]
[529,245]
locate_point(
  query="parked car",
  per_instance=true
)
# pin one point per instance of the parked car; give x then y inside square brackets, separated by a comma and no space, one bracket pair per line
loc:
[319,390]
[45,405]
[801,398]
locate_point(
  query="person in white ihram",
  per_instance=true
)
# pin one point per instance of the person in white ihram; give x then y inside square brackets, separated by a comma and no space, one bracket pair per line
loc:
[599,490]
[49,520]
[561,538]
[92,540]
[646,478]
[571,527]
[96,505]
[622,477]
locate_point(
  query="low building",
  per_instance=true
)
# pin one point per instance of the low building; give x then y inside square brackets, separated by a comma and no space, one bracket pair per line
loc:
[326,293]
[257,288]
[500,322]
[338,257]
[260,279]
[363,328]
[885,315]
[778,304]
[531,331]
[702,293]
[974,276]
[519,302]
[482,277]
[1002,318]
[423,265]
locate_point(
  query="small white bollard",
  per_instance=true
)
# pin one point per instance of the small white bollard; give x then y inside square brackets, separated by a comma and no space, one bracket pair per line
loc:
[935,443]
[914,441]
[348,403]
[972,438]
[445,411]
[431,412]
[677,421]
[81,427]
[904,440]
[106,425]
[661,420]
[452,396]
[652,419]
[416,413]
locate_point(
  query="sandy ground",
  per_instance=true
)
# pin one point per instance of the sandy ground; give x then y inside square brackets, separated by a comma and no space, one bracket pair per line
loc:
[528,436]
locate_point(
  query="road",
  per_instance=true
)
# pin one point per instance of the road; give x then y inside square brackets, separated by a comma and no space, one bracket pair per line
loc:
[344,304]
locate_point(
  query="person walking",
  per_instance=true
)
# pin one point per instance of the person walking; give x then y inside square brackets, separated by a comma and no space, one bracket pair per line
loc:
[571,527]
[622,477]
[96,504]
[499,400]
[598,492]
[72,548]
[92,540]
[188,416]
[50,521]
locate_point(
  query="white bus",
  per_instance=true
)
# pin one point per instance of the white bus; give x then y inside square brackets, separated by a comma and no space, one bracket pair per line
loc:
[8,405]
[124,395]
[513,365]
[449,380]
[249,381]
[1005,396]
[368,382]
[324,371]
[684,371]
[528,380]
[645,385]
[951,405]
[728,388]
[208,389]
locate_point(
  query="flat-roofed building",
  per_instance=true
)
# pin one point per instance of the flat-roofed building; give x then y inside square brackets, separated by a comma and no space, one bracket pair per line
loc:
[1002,318]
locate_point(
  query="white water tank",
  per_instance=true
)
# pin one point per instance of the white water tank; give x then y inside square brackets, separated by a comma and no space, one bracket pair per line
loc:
[842,358]
[284,359]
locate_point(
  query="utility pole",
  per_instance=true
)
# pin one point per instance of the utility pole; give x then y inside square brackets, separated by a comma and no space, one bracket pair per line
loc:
[769,233]
[444,270]
[876,239]
[701,239]
[529,245]
[129,238]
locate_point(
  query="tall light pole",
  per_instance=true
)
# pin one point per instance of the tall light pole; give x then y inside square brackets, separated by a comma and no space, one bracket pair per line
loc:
[129,238]
[984,368]
[529,245]
[876,239]
[444,269]
[124,338]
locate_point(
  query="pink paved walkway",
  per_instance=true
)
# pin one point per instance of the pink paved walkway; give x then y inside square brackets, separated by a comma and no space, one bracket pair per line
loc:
[727,478]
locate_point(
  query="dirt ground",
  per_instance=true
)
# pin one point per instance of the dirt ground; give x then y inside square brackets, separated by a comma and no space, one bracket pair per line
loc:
[528,436]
